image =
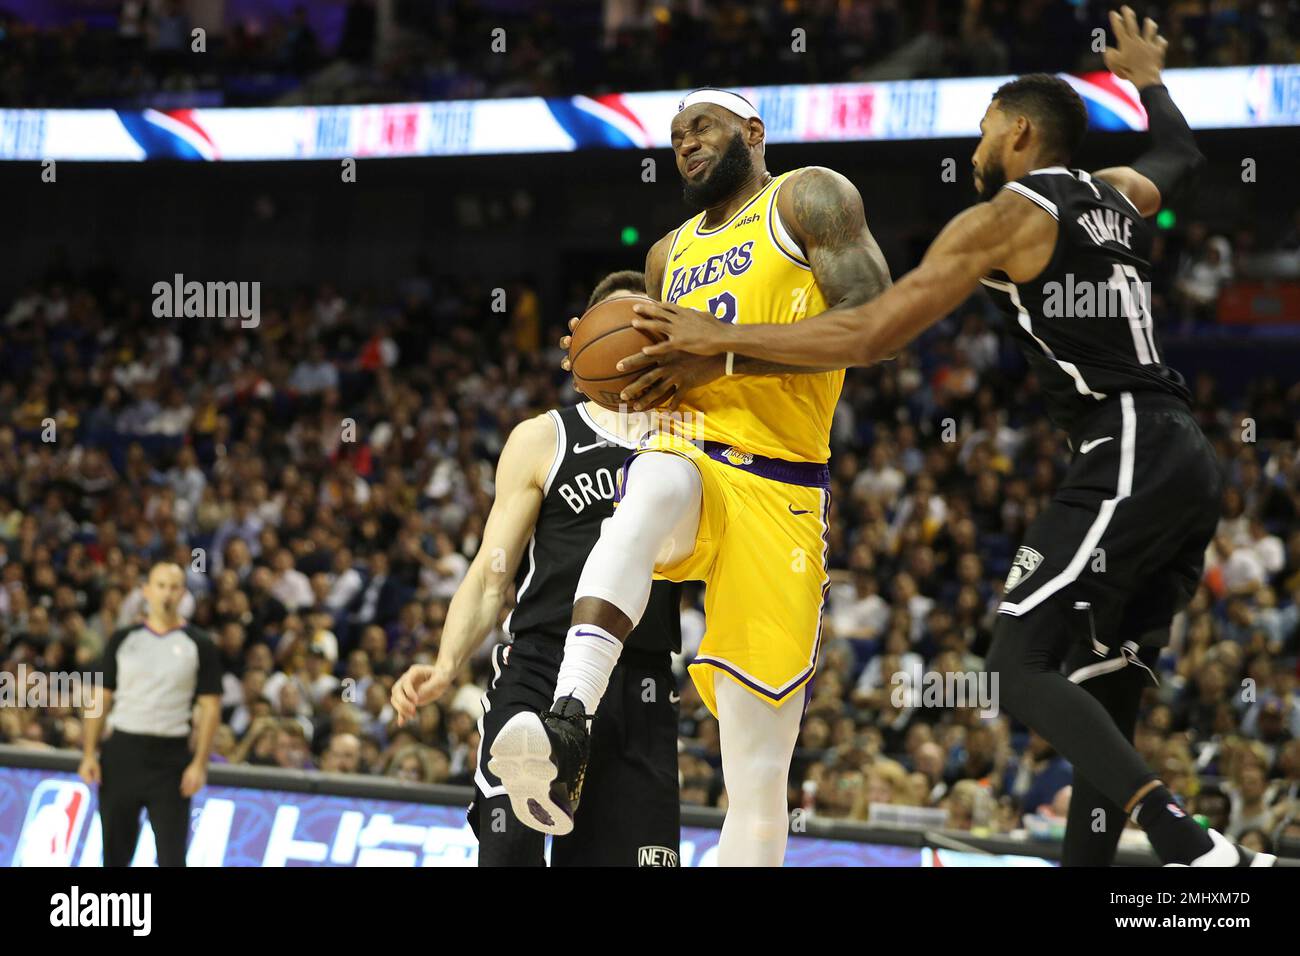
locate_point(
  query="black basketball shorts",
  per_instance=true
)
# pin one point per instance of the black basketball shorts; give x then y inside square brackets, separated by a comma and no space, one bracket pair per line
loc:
[630,811]
[1120,548]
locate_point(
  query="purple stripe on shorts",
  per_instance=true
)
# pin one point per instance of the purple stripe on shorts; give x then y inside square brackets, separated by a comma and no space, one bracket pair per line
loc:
[620,486]
[774,695]
[810,474]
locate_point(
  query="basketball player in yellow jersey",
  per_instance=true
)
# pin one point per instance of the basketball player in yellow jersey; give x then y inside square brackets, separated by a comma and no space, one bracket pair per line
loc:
[736,498]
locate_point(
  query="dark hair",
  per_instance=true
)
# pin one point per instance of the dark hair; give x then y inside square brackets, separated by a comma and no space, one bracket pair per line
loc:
[1211,791]
[1052,105]
[628,280]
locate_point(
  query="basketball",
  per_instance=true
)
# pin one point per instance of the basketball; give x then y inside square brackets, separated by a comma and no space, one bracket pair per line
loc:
[604,336]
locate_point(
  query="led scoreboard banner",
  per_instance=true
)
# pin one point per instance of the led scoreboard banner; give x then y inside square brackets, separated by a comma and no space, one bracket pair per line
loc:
[260,817]
[1219,98]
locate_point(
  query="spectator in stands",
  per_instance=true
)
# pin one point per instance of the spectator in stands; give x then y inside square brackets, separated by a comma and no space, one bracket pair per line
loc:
[325,569]
[343,755]
[1204,272]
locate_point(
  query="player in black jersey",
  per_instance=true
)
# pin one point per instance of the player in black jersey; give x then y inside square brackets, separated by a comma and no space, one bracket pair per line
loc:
[555,484]
[1065,254]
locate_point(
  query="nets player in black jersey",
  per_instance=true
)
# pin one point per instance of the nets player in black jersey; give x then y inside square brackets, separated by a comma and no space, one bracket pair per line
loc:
[555,484]
[1142,490]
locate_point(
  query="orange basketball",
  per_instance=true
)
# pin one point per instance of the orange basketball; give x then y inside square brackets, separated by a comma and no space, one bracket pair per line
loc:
[604,336]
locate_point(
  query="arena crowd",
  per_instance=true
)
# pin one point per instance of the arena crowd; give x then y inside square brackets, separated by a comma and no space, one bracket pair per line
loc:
[324,480]
[143,52]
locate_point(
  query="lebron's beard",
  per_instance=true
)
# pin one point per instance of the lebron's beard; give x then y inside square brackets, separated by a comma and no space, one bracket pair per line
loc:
[994,178]
[734,166]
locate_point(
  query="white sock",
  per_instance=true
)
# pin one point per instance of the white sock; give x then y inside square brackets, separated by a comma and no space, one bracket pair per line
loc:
[590,654]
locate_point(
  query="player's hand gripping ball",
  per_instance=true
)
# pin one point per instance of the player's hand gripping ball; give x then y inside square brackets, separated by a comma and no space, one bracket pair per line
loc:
[602,336]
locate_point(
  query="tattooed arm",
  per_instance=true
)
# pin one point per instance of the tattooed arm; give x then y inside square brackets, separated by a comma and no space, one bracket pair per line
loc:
[824,213]
[1008,233]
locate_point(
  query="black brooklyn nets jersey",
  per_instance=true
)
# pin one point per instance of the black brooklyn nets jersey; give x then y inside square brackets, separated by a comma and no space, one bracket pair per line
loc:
[1085,322]
[579,495]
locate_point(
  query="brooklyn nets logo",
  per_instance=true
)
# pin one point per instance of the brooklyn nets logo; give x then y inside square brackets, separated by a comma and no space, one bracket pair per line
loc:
[1026,563]
[656,856]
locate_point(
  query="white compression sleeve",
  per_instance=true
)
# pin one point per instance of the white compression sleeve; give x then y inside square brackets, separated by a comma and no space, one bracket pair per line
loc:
[653,526]
[757,743]
[655,523]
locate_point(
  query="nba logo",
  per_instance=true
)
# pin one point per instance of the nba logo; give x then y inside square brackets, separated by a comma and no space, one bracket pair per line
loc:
[55,816]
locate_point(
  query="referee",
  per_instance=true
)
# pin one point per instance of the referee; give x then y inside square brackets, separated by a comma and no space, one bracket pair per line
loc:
[152,674]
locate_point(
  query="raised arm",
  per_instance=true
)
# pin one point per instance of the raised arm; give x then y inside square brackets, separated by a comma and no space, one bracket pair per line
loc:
[1172,158]
[1008,233]
[476,605]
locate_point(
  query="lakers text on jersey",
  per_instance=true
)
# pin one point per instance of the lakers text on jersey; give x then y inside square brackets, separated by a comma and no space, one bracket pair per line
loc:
[761,544]
[750,270]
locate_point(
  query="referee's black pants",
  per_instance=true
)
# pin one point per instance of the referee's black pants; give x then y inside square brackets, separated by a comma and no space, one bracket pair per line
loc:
[140,771]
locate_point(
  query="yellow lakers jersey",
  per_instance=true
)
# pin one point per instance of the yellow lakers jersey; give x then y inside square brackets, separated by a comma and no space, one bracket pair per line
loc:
[749,270]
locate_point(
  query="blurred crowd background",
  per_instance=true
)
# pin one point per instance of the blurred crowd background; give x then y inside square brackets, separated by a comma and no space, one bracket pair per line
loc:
[137,53]
[325,478]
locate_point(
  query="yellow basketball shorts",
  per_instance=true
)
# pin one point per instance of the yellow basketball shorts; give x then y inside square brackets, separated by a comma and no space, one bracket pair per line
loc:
[761,551]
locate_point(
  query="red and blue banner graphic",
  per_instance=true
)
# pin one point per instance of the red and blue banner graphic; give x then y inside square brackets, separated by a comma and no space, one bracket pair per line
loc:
[1226,98]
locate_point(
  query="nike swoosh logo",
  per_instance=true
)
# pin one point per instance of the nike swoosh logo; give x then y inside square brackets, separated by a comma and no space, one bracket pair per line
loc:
[793,512]
[1090,445]
[593,634]
[683,252]
[674,697]
[579,449]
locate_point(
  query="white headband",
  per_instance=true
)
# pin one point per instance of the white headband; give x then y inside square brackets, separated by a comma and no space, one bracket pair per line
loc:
[728,101]
[724,98]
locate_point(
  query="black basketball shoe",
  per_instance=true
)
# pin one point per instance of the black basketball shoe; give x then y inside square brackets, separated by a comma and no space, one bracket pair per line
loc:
[541,760]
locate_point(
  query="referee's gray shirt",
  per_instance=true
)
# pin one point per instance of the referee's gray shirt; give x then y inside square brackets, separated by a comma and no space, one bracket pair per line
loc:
[155,677]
